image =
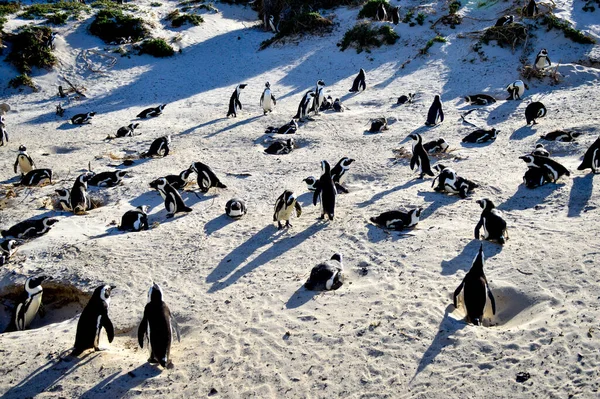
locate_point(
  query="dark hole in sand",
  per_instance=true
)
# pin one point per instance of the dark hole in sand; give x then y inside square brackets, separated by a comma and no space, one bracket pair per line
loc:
[61,302]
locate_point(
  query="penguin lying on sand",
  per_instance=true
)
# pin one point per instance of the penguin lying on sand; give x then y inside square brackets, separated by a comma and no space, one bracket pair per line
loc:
[326,275]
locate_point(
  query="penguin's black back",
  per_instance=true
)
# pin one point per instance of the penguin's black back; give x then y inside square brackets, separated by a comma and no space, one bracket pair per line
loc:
[158,316]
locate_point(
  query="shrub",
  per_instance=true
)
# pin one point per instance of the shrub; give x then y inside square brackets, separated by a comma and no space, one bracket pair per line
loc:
[22,80]
[155,4]
[553,22]
[30,49]
[177,19]
[420,18]
[112,24]
[5,9]
[157,48]
[60,18]
[453,7]
[363,36]
[43,10]
[369,10]
[112,5]
[430,42]
[308,22]
[511,35]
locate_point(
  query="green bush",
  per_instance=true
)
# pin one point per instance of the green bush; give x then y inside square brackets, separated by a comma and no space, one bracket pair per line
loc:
[453,7]
[420,18]
[112,24]
[308,22]
[60,18]
[30,49]
[369,10]
[112,5]
[43,10]
[430,42]
[155,4]
[553,22]
[22,80]
[157,48]
[177,19]
[363,36]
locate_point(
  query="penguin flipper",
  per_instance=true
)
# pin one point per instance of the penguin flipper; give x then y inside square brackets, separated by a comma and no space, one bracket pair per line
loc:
[16,163]
[413,162]
[456,292]
[273,98]
[298,209]
[479,226]
[238,103]
[142,330]
[108,326]
[316,195]
[441,115]
[492,300]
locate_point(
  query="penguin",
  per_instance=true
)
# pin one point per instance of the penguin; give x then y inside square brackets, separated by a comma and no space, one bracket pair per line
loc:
[80,200]
[3,132]
[64,199]
[157,327]
[398,220]
[359,82]
[591,159]
[284,208]
[448,181]
[327,104]
[107,179]
[531,9]
[561,135]
[9,247]
[436,146]
[516,90]
[419,159]
[338,173]
[381,14]
[327,191]
[476,291]
[533,111]
[435,114]
[31,228]
[303,106]
[173,201]
[81,119]
[540,151]
[551,168]
[338,106]
[92,320]
[535,177]
[319,97]
[480,99]
[272,25]
[494,226]
[289,128]
[127,131]
[267,100]
[152,112]
[281,147]
[206,177]
[234,101]
[36,177]
[404,99]
[326,275]
[135,219]
[311,183]
[378,125]
[396,15]
[542,60]
[481,136]
[158,148]
[235,208]
[178,182]
[29,305]
[24,161]
[505,20]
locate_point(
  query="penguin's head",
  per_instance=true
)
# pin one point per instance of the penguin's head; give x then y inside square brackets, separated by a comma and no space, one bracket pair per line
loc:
[574,134]
[168,139]
[443,144]
[143,208]
[415,136]
[185,175]
[62,193]
[539,146]
[84,177]
[320,83]
[133,126]
[49,222]
[289,198]
[510,19]
[468,99]
[486,204]
[90,114]
[527,159]
[325,167]
[33,284]
[104,291]
[243,86]
[311,181]
[544,52]
[345,162]
[294,123]
[158,184]
[479,259]
[438,167]
[291,143]
[155,293]
[437,98]
[121,174]
[417,212]
[162,106]
[362,72]
[337,256]
[268,85]
[22,148]
[12,244]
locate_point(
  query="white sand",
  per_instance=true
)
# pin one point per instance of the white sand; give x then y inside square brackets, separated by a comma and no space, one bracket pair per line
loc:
[249,329]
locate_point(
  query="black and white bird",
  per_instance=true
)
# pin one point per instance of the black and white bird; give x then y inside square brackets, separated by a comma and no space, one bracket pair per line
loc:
[234,101]
[158,148]
[285,206]
[505,20]
[419,160]
[449,181]
[381,14]
[9,247]
[531,10]
[591,159]
[152,112]
[311,183]
[534,111]
[326,275]
[396,15]
[319,97]
[494,226]
[480,99]
[542,60]
[135,219]
[173,201]
[81,119]
[378,125]
[92,320]
[435,115]
[338,106]
[552,169]
[436,146]
[206,178]
[339,173]
[178,182]
[540,151]
[3,132]
[127,131]
[64,199]
[327,104]
[235,208]
[36,177]
[272,26]
[326,192]
[359,82]
[561,135]
[29,304]
[289,128]
[481,136]
[80,199]
[404,99]
[516,90]
[398,220]
[31,228]
[535,177]
[281,147]
[24,161]
[304,106]
[267,99]
[476,291]
[107,179]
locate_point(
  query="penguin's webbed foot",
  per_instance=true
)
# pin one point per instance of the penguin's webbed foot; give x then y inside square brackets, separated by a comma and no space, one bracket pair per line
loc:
[152,360]
[322,217]
[279,226]
[288,224]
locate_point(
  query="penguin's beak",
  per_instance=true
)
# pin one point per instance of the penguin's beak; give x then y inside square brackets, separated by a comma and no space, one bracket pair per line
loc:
[479,202]
[112,287]
[522,157]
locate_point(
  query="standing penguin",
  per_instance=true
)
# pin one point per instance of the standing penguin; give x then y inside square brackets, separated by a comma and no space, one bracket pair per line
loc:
[542,60]
[135,220]
[531,9]
[303,107]
[234,101]
[152,112]
[476,291]
[158,148]
[267,100]
[359,82]
[157,327]
[505,20]
[327,191]
[435,114]
[396,15]
[284,208]
[93,318]
[319,97]
[419,159]
[338,173]
[326,275]
[80,200]
[28,307]
[173,201]
[591,159]
[516,90]
[494,226]
[24,161]
[206,177]
[533,111]
[3,132]
[381,14]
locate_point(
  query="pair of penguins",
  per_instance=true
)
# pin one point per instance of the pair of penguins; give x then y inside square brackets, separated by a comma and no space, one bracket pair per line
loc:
[267,100]
[30,176]
[81,119]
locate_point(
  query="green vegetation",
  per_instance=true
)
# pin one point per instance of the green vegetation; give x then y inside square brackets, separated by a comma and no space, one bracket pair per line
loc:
[308,22]
[369,10]
[430,42]
[511,35]
[48,10]
[5,9]
[408,17]
[60,18]
[112,5]
[22,80]
[30,49]
[177,19]
[453,7]
[553,22]
[112,24]
[363,36]
[420,18]
[155,4]
[157,48]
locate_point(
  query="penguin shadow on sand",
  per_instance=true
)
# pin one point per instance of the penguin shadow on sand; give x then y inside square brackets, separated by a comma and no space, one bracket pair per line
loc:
[306,199]
[376,234]
[527,198]
[11,180]
[48,376]
[378,196]
[119,383]
[227,272]
[67,125]
[464,259]
[300,297]
[436,201]
[202,125]
[239,122]
[580,194]
[523,132]
[504,110]
[448,326]
[217,224]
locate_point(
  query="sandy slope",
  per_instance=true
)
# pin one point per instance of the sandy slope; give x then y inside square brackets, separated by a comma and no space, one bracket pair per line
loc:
[249,329]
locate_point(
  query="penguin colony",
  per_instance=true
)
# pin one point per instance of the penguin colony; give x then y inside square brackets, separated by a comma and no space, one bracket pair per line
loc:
[158,326]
